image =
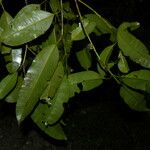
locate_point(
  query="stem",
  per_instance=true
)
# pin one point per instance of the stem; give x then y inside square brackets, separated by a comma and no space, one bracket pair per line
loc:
[26,2]
[94,49]
[2,6]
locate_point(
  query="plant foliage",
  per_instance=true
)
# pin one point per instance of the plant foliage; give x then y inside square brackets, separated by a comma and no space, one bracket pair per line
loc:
[36,45]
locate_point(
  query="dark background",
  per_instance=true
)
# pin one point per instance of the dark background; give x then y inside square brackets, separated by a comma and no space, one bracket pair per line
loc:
[96,120]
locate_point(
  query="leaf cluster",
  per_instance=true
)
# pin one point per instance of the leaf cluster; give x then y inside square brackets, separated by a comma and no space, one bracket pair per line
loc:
[39,78]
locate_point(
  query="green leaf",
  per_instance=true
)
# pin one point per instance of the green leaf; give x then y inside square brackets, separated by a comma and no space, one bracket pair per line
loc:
[40,115]
[35,80]
[78,34]
[105,55]
[13,96]
[7,84]
[5,21]
[51,39]
[138,80]
[16,59]
[102,25]
[5,49]
[133,99]
[28,24]
[54,83]
[55,6]
[88,79]
[84,58]
[56,109]
[131,46]
[122,63]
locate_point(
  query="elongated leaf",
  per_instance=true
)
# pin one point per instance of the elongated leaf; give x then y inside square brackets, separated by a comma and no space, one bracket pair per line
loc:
[131,46]
[35,80]
[88,79]
[102,25]
[84,58]
[78,34]
[7,84]
[13,96]
[123,64]
[40,115]
[105,55]
[134,99]
[138,79]
[27,25]
[54,83]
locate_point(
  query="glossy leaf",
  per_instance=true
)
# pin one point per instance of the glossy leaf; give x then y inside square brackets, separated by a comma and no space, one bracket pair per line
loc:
[56,109]
[78,34]
[105,55]
[134,99]
[16,59]
[138,80]
[131,46]
[88,79]
[122,63]
[7,84]
[28,24]
[40,115]
[13,95]
[84,58]
[35,80]
[54,83]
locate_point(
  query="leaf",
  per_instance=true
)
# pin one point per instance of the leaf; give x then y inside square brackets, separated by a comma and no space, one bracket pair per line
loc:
[102,25]
[105,55]
[56,109]
[131,46]
[54,83]
[122,63]
[16,59]
[55,6]
[7,84]
[78,34]
[88,79]
[35,81]
[138,80]
[40,115]
[134,99]
[84,58]
[100,71]
[5,49]
[13,96]
[28,24]
[5,21]
[51,39]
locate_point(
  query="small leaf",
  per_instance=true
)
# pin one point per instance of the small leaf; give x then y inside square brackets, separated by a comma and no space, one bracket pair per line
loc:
[7,84]
[102,25]
[35,80]
[122,63]
[40,115]
[55,6]
[105,55]
[134,99]
[101,71]
[16,59]
[131,46]
[138,80]
[78,34]
[84,58]
[28,24]
[88,79]
[5,21]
